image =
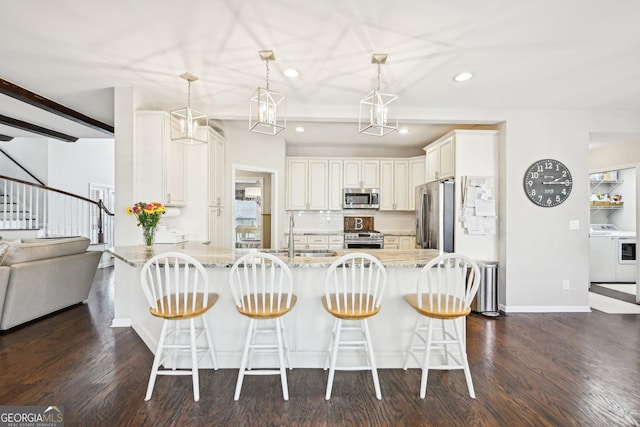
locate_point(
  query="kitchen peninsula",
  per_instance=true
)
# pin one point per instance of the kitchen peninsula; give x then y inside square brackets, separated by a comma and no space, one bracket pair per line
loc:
[308,326]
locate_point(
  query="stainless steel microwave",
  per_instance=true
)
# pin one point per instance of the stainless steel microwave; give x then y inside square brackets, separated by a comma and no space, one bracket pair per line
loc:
[360,198]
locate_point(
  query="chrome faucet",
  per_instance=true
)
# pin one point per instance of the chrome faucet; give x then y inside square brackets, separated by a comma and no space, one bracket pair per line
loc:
[291,225]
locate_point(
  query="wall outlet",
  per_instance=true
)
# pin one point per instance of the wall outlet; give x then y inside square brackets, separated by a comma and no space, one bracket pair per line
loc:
[565,285]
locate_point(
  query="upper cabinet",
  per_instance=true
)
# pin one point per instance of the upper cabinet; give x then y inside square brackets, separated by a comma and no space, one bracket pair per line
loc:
[440,159]
[394,185]
[361,173]
[417,167]
[462,152]
[335,185]
[163,179]
[317,183]
[308,184]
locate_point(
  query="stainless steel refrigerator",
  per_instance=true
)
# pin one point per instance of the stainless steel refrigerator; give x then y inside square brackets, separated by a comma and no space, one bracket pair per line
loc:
[435,215]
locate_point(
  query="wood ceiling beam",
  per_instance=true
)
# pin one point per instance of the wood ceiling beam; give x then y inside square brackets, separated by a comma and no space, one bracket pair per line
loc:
[24,95]
[29,127]
[5,137]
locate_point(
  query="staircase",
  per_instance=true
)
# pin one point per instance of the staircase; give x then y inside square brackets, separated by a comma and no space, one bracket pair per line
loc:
[49,212]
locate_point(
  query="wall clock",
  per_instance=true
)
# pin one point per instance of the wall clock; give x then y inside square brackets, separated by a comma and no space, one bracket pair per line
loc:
[547,183]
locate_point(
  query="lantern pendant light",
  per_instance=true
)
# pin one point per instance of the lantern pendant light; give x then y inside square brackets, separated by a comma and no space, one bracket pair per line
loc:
[378,110]
[187,125]
[266,107]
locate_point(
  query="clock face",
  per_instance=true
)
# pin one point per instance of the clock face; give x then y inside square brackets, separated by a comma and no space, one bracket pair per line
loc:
[547,183]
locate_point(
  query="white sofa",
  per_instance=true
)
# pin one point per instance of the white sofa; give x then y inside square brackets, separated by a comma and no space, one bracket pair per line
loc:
[41,276]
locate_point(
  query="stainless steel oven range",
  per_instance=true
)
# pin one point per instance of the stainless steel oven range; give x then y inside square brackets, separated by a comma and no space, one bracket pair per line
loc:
[364,240]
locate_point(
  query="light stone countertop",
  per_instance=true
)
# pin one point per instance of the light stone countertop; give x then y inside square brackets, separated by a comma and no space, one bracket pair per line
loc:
[212,257]
[398,232]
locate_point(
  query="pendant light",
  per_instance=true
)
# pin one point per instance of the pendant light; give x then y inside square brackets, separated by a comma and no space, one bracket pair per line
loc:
[267,108]
[377,109]
[187,125]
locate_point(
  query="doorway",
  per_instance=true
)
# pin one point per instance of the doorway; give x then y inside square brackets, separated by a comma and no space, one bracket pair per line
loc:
[253,213]
[613,266]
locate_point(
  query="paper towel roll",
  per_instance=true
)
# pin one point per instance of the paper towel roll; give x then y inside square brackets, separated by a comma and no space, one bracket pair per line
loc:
[171,212]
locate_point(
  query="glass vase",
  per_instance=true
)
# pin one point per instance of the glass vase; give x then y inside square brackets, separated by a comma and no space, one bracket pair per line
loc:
[149,235]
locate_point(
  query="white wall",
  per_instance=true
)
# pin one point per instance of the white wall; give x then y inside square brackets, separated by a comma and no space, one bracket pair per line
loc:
[539,250]
[31,153]
[73,166]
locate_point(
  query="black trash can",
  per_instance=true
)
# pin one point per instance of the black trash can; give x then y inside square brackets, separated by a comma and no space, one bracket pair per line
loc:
[486,299]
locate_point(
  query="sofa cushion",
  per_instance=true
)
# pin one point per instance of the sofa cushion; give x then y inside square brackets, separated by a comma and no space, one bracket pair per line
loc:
[35,249]
[5,246]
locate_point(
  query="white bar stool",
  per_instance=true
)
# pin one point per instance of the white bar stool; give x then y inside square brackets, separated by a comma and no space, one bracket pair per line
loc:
[176,287]
[262,288]
[354,285]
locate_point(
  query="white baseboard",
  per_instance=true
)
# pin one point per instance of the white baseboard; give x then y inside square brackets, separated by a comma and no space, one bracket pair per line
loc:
[546,309]
[121,323]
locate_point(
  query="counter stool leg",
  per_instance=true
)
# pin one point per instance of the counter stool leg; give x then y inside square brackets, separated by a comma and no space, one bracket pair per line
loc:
[327,360]
[427,356]
[287,352]
[211,350]
[245,355]
[465,361]
[283,368]
[334,357]
[372,362]
[156,361]
[194,360]
[405,364]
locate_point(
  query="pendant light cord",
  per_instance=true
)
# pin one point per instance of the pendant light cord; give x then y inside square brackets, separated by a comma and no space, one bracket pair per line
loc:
[267,61]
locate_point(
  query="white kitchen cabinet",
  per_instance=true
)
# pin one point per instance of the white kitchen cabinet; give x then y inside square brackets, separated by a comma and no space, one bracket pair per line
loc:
[216,226]
[163,177]
[406,242]
[318,190]
[399,242]
[336,241]
[417,167]
[390,242]
[297,184]
[387,197]
[216,189]
[361,173]
[216,169]
[394,185]
[440,159]
[318,242]
[307,184]
[335,185]
[314,184]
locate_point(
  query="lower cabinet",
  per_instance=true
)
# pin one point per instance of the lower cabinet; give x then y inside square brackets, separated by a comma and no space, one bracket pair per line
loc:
[316,241]
[399,242]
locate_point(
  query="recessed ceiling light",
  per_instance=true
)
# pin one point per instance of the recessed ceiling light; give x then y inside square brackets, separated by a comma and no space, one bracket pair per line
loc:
[463,77]
[299,129]
[291,73]
[404,131]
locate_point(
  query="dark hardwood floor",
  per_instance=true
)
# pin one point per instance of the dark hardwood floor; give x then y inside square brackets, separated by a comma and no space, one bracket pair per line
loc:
[573,369]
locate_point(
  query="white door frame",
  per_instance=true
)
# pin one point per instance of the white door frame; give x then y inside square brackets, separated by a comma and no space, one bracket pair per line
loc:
[274,200]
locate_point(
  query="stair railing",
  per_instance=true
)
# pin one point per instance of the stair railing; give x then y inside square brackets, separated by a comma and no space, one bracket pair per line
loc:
[29,206]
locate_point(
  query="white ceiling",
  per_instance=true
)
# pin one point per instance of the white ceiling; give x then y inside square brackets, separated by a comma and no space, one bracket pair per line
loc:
[543,54]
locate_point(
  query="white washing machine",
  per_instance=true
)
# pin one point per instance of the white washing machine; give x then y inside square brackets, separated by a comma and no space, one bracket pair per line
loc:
[612,254]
